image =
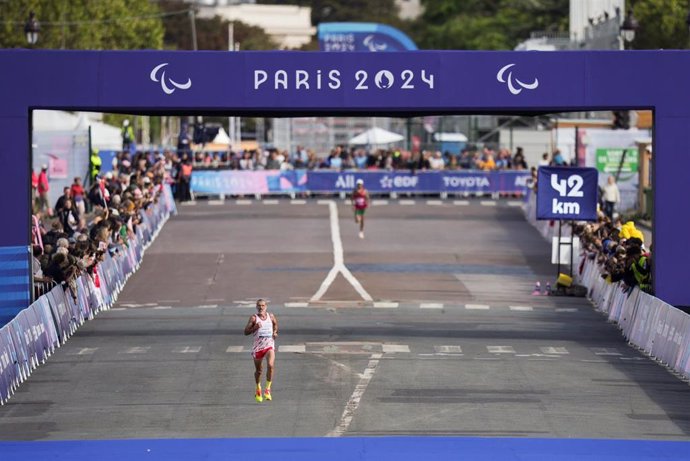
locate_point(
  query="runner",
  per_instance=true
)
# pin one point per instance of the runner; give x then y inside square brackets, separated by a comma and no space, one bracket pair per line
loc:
[360,202]
[264,326]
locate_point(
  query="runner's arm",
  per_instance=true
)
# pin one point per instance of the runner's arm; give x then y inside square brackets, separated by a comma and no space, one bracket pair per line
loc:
[275,326]
[251,326]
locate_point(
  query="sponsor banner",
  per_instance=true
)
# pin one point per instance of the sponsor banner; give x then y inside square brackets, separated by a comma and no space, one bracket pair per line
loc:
[248,182]
[566,193]
[262,182]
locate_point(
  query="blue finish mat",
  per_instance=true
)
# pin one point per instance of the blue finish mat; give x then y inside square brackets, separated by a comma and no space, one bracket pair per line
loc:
[331,449]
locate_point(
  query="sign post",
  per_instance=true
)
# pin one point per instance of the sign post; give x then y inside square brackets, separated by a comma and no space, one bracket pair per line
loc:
[566,193]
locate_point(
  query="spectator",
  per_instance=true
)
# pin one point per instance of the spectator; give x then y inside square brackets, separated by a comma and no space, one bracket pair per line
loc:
[544,159]
[66,195]
[519,162]
[611,196]
[42,204]
[127,136]
[78,195]
[558,159]
[185,181]
[68,217]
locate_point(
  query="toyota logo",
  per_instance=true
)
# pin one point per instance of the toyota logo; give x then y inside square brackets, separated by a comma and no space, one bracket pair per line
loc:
[511,86]
[164,80]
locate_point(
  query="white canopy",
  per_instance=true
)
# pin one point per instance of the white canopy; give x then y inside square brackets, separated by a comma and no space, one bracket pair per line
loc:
[375,136]
[103,136]
[222,137]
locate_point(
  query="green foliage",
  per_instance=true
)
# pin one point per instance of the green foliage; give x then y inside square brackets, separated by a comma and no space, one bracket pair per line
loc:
[83,24]
[212,34]
[662,24]
[486,24]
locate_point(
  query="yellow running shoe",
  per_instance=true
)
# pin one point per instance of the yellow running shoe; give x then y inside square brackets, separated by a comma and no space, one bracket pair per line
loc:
[267,394]
[258,397]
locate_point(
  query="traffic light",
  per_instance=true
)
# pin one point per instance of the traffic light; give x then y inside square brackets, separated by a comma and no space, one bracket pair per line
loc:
[621,119]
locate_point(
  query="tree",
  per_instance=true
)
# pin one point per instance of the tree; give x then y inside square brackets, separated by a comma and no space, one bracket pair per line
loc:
[212,33]
[84,24]
[662,24]
[486,24]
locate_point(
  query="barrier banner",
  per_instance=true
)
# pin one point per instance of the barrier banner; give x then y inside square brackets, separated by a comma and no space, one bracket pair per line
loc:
[8,374]
[362,36]
[249,182]
[232,182]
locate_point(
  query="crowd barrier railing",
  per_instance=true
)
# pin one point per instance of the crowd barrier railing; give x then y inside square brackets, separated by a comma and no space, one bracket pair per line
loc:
[34,334]
[658,329]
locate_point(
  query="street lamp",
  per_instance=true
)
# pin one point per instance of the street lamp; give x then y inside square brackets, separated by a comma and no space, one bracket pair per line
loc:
[629,27]
[31,29]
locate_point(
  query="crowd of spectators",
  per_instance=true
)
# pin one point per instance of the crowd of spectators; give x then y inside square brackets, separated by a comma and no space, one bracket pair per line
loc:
[357,158]
[619,251]
[73,237]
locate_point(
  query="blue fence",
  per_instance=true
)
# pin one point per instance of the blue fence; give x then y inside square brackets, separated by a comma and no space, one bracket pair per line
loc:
[232,182]
[34,334]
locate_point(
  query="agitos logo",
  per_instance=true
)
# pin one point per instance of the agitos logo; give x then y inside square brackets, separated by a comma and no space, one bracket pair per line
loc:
[500,76]
[164,80]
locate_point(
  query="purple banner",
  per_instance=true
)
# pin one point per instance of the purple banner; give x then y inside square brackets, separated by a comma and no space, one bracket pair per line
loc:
[260,182]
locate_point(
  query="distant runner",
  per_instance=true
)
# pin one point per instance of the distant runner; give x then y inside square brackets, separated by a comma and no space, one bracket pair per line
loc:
[264,326]
[360,202]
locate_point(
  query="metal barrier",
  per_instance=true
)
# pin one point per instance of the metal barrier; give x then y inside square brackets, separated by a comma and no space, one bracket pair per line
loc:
[658,329]
[34,334]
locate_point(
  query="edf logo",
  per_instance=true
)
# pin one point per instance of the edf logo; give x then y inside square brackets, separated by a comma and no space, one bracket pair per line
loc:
[565,193]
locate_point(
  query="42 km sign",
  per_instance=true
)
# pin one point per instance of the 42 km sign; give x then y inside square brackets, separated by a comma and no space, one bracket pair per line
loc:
[566,193]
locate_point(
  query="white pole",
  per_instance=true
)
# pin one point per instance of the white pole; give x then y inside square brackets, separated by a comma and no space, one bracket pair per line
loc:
[231,47]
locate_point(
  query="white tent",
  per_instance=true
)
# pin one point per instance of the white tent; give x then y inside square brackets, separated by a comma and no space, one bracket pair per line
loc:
[375,136]
[103,136]
[222,137]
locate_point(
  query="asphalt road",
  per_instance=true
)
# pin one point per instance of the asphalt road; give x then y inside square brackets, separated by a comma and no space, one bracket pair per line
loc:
[451,341]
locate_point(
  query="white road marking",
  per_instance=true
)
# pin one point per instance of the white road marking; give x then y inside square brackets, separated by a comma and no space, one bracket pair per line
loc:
[85,351]
[338,261]
[270,202]
[216,300]
[434,202]
[323,202]
[187,350]
[296,304]
[515,203]
[162,307]
[431,306]
[216,202]
[192,203]
[137,350]
[500,349]
[406,202]
[605,351]
[235,349]
[554,350]
[448,349]
[487,203]
[356,397]
[566,309]
[298,202]
[208,306]
[293,348]
[118,308]
[461,202]
[379,202]
[243,202]
[476,307]
[395,348]
[521,308]
[165,301]
[385,305]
